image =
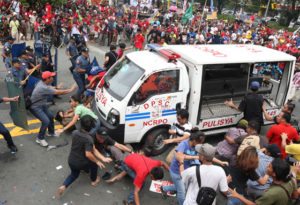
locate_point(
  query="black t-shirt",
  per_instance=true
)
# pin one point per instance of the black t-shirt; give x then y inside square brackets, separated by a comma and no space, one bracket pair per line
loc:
[113,57]
[81,142]
[101,146]
[240,178]
[251,106]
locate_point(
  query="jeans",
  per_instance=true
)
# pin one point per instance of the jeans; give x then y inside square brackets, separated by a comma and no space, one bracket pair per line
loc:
[178,187]
[94,130]
[37,36]
[46,117]
[234,201]
[124,167]
[75,171]
[6,135]
[80,81]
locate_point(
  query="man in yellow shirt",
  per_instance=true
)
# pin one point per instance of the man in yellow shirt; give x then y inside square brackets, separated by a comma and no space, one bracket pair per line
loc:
[14,27]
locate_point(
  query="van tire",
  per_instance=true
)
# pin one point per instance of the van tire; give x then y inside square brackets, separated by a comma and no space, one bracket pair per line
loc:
[154,141]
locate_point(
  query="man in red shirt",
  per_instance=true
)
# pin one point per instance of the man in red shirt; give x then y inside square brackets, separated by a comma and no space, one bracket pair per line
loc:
[139,40]
[138,167]
[275,133]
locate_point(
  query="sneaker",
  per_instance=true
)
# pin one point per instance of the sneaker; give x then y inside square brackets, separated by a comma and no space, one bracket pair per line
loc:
[13,149]
[53,135]
[43,142]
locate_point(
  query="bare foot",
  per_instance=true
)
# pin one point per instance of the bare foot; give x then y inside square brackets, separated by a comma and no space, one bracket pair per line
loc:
[110,181]
[96,182]
[60,191]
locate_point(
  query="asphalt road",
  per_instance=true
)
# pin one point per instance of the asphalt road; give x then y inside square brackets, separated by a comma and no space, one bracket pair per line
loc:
[33,174]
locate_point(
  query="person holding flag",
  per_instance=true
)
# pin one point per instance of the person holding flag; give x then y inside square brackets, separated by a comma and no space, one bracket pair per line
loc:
[3,131]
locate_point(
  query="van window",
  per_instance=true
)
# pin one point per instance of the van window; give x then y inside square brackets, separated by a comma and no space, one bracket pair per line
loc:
[225,80]
[121,77]
[158,83]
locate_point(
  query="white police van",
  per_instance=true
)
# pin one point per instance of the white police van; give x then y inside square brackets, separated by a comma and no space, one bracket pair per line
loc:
[138,97]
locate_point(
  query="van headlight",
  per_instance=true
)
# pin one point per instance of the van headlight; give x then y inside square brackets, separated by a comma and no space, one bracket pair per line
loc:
[113,117]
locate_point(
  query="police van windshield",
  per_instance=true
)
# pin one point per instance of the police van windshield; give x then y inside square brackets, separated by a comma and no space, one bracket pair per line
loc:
[120,78]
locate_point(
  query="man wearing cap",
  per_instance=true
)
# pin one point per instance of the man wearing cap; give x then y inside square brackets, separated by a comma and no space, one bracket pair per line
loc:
[154,34]
[18,71]
[265,157]
[251,105]
[39,107]
[81,68]
[211,175]
[7,45]
[104,142]
[72,52]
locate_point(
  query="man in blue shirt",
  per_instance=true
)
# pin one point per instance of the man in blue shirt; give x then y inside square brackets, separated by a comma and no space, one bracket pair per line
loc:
[7,45]
[72,52]
[185,154]
[18,71]
[81,68]
[4,131]
[254,189]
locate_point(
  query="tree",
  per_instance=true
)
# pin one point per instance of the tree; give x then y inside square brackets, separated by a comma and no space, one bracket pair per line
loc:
[220,5]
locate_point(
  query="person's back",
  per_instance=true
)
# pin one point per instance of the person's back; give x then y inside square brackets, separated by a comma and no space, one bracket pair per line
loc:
[277,194]
[211,176]
[80,143]
[253,107]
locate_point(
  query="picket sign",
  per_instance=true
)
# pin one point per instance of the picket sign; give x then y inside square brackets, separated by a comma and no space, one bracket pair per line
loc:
[156,184]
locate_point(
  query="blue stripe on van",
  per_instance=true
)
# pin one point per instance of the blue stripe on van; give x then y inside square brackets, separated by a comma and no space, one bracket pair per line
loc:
[173,110]
[167,114]
[138,114]
[137,118]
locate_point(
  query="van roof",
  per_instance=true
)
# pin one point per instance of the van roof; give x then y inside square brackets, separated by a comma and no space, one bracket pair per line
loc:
[151,61]
[222,54]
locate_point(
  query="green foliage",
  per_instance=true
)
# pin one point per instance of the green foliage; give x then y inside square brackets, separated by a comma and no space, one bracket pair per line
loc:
[229,18]
[277,26]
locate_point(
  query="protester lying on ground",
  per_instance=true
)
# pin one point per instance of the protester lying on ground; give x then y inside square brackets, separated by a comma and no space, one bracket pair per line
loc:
[138,167]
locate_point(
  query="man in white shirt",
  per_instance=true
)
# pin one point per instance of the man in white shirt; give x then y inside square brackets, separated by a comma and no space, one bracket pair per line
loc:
[15,5]
[211,175]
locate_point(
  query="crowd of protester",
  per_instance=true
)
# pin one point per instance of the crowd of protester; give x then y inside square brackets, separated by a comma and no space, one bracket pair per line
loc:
[246,167]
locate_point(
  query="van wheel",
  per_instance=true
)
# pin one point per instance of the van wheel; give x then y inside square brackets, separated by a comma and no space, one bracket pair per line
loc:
[154,141]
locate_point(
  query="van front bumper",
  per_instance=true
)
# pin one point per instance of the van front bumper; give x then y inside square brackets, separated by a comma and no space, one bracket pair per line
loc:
[115,132]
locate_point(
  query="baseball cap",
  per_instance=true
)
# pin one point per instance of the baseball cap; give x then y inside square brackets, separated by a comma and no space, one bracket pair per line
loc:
[254,85]
[206,150]
[10,38]
[102,131]
[85,49]
[243,123]
[274,150]
[15,60]
[47,74]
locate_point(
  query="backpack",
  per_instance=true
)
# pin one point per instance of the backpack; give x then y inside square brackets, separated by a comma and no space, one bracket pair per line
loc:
[206,195]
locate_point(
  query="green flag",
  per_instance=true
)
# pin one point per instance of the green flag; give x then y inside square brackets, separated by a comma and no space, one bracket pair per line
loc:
[188,14]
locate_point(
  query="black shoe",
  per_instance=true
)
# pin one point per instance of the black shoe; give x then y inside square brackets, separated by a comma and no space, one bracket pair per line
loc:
[13,149]
[57,97]
[163,193]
